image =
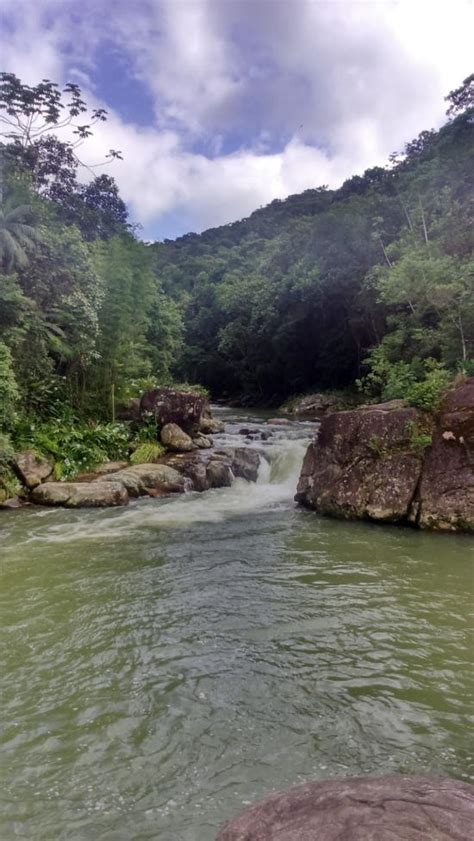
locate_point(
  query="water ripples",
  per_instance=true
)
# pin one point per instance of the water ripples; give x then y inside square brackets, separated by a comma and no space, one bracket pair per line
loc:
[162,666]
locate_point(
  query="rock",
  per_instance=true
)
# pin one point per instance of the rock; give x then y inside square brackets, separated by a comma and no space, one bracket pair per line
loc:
[173,437]
[213,469]
[101,470]
[211,426]
[183,408]
[314,406]
[32,469]
[80,494]
[245,463]
[363,464]
[446,493]
[13,503]
[149,480]
[202,441]
[392,808]
[219,474]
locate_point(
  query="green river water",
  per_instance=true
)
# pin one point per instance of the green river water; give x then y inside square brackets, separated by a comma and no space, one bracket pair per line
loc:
[164,665]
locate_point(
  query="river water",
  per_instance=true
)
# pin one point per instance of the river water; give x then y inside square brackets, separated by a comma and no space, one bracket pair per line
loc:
[167,664]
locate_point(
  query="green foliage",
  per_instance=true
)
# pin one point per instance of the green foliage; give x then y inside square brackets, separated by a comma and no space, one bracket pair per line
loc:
[8,388]
[76,447]
[9,485]
[420,437]
[428,393]
[147,453]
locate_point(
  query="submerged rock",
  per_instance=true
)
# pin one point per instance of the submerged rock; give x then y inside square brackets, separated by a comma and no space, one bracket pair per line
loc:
[392,808]
[80,494]
[32,469]
[174,438]
[363,464]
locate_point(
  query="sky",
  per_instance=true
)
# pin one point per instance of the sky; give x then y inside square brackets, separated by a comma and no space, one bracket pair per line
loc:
[221,106]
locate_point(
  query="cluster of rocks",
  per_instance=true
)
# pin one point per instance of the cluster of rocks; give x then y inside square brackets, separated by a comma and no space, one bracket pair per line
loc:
[396,464]
[184,423]
[171,474]
[313,407]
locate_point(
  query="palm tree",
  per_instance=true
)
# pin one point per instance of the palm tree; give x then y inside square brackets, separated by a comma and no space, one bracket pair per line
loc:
[18,235]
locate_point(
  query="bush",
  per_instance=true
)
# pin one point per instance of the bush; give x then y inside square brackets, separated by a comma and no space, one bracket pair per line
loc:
[427,394]
[8,388]
[147,453]
[9,485]
[74,448]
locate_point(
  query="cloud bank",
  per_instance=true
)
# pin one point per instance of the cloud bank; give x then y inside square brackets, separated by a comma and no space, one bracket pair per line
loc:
[221,106]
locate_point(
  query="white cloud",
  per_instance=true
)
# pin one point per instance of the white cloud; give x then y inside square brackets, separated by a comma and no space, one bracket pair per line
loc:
[302,92]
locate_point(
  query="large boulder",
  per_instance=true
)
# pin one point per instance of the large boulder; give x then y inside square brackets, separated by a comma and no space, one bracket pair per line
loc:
[31,468]
[168,405]
[80,494]
[364,464]
[446,493]
[392,808]
[149,480]
[314,406]
[174,438]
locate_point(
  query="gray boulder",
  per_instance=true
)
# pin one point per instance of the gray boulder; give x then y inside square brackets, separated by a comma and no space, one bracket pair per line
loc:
[32,469]
[173,437]
[80,494]
[149,480]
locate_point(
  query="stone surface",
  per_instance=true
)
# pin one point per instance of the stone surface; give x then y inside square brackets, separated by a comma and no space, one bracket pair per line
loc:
[32,469]
[211,426]
[314,406]
[174,438]
[80,494]
[363,464]
[202,441]
[212,469]
[101,470]
[391,808]
[149,480]
[12,503]
[184,408]
[446,493]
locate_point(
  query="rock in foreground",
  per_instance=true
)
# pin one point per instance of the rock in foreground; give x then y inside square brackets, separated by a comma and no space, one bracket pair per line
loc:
[361,809]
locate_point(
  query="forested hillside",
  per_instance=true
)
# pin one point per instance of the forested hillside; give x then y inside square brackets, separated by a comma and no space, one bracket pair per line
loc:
[302,293]
[371,282]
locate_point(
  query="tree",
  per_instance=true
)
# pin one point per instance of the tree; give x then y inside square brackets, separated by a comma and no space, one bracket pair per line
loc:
[18,234]
[29,114]
[461,99]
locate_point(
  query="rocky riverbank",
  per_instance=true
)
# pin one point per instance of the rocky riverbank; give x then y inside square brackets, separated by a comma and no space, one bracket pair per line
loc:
[183,423]
[396,464]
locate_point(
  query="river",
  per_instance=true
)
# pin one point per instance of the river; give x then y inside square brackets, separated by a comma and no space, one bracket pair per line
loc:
[167,664]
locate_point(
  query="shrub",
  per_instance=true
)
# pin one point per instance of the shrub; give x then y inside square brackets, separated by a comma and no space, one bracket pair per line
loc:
[8,387]
[428,393]
[147,453]
[76,447]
